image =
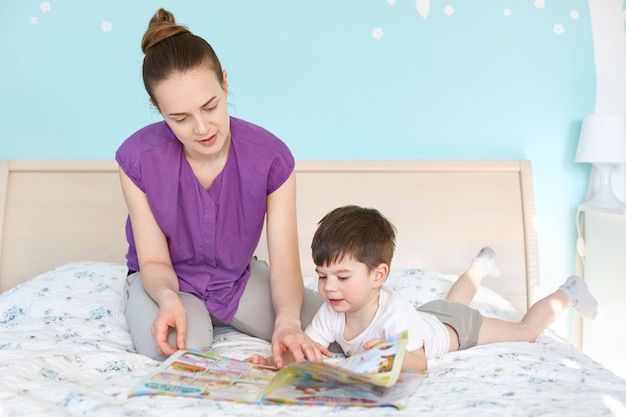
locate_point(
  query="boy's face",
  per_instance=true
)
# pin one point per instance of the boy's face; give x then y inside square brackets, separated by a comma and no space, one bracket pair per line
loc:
[347,286]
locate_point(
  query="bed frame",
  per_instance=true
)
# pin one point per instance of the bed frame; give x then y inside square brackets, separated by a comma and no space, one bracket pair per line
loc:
[55,212]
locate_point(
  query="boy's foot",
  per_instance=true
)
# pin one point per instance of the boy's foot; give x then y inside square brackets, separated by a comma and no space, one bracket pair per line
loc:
[580,297]
[486,259]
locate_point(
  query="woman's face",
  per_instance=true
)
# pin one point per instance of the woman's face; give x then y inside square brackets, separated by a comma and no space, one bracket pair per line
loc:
[193,104]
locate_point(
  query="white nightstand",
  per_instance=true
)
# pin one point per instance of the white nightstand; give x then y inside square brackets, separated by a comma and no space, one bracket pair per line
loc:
[605,272]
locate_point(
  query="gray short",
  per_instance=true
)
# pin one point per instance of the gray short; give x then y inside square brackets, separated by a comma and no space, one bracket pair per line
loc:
[465,320]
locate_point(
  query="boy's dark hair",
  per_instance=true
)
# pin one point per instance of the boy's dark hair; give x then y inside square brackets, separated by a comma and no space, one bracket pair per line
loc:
[362,233]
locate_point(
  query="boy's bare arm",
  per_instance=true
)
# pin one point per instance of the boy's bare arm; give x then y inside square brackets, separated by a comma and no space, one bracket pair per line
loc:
[415,361]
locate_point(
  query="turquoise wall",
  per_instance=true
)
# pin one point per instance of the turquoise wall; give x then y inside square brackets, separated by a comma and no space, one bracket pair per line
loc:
[486,79]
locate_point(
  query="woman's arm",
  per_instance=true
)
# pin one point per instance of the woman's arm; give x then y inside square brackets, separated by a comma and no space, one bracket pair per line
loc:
[157,274]
[286,278]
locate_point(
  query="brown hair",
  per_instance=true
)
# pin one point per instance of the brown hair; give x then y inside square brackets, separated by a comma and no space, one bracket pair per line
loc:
[170,48]
[363,233]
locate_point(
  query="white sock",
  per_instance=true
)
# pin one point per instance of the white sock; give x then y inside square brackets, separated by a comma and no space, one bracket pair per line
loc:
[580,297]
[486,259]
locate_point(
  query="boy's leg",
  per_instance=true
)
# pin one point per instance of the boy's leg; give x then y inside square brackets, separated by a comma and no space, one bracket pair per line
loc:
[483,265]
[255,315]
[141,311]
[580,297]
[573,293]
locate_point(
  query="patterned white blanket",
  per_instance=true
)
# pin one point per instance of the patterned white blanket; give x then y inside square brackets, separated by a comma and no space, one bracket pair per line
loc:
[65,351]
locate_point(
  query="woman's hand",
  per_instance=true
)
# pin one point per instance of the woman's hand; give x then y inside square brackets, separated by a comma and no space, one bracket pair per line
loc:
[290,343]
[172,316]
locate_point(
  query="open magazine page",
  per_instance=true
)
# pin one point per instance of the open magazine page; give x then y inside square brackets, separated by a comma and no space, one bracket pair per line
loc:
[189,373]
[370,379]
[306,391]
[380,365]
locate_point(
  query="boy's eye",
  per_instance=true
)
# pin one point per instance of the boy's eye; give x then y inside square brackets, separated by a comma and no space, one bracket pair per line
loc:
[321,277]
[342,278]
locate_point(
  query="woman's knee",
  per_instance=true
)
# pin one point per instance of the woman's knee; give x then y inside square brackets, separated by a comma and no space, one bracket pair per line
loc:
[199,324]
[141,311]
[255,315]
[310,305]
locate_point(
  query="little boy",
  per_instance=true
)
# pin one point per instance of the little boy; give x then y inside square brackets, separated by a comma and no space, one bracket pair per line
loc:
[352,250]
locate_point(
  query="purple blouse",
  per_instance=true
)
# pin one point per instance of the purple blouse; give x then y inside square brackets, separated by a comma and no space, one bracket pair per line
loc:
[211,234]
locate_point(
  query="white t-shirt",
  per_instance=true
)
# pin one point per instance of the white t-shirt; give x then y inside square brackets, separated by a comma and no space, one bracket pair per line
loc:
[394,315]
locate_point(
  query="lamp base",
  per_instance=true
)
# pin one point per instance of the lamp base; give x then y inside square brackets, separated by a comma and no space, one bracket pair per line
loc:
[589,206]
[604,200]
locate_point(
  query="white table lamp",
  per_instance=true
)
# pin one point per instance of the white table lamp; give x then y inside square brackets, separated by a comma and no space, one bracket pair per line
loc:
[603,144]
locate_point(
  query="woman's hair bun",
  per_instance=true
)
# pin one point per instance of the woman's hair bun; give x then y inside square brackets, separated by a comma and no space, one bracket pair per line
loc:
[162,26]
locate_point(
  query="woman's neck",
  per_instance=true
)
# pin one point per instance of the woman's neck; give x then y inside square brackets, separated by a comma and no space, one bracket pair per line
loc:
[207,167]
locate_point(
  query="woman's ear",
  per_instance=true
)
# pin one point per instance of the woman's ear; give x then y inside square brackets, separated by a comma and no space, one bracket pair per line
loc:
[155,105]
[225,82]
[381,271]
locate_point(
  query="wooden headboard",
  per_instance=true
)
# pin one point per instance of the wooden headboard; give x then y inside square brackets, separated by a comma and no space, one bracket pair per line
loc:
[55,212]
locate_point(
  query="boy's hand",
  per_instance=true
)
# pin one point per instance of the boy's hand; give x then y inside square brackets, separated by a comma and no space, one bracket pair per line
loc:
[260,360]
[374,342]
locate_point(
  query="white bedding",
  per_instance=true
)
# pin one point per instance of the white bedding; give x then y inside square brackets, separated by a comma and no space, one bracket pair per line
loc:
[65,351]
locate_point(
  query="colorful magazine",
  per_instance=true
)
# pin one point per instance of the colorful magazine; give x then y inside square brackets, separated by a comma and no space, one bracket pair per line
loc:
[369,379]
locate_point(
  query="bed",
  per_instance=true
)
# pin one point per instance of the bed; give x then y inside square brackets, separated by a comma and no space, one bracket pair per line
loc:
[65,348]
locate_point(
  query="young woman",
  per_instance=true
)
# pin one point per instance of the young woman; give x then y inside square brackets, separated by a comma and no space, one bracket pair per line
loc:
[199,186]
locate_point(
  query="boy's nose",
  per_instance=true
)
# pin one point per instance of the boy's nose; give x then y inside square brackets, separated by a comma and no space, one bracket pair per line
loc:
[330,286]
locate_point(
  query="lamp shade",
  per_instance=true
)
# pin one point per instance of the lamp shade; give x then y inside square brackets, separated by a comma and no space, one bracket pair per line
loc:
[602,139]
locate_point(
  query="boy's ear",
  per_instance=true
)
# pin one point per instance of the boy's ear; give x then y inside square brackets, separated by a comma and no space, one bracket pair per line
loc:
[381,271]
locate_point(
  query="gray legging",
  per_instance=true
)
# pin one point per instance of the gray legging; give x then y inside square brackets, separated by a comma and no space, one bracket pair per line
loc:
[255,315]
